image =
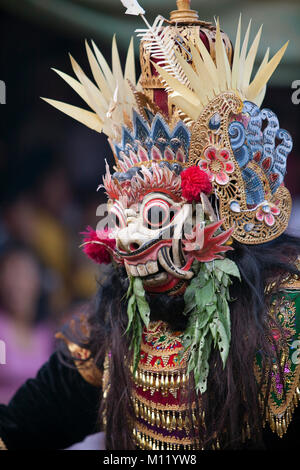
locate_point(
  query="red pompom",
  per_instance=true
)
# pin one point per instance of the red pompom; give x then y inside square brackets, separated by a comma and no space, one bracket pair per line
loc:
[98,245]
[194,182]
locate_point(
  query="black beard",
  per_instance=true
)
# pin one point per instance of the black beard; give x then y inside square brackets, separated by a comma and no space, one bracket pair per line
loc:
[169,309]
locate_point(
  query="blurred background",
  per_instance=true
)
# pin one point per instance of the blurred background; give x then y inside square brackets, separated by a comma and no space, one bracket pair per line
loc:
[50,165]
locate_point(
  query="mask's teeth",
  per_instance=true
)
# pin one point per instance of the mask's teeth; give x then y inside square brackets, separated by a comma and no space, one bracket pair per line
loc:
[152,267]
[168,265]
[131,269]
[142,270]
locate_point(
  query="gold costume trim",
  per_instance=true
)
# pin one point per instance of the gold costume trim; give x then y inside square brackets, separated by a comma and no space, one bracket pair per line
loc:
[2,445]
[293,283]
[145,433]
[279,422]
[159,406]
[280,416]
[83,361]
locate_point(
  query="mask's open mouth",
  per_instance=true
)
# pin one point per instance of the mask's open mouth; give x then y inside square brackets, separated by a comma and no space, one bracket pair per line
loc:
[165,262]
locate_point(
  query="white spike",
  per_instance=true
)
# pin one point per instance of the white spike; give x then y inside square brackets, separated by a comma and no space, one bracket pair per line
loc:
[209,64]
[77,86]
[223,67]
[129,73]
[106,69]
[97,74]
[265,60]
[264,74]
[189,109]
[236,56]
[98,103]
[202,72]
[197,85]
[243,56]
[259,99]
[87,118]
[250,60]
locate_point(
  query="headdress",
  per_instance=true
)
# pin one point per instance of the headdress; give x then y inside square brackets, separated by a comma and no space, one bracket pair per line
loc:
[198,163]
[194,104]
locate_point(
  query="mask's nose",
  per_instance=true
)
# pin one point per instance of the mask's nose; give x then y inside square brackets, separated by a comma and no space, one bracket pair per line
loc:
[128,239]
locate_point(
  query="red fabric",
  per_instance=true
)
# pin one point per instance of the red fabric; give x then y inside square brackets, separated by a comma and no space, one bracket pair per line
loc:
[194,182]
[98,252]
[205,40]
[160,96]
[158,398]
[161,99]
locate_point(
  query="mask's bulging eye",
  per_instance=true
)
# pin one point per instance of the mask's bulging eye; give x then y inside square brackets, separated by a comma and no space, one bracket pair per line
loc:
[158,213]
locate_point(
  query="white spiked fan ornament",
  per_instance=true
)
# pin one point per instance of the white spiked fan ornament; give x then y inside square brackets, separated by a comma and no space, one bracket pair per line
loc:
[190,87]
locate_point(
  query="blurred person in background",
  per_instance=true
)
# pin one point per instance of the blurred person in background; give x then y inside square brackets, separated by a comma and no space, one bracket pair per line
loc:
[28,338]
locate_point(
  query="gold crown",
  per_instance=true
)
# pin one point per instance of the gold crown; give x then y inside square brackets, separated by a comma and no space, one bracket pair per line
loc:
[184,27]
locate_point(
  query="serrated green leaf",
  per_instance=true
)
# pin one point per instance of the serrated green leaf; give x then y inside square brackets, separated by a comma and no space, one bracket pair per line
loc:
[136,343]
[210,309]
[209,317]
[141,302]
[196,266]
[144,310]
[224,315]
[138,287]
[130,287]
[223,342]
[209,266]
[225,281]
[219,274]
[131,309]
[214,331]
[228,266]
[138,310]
[205,295]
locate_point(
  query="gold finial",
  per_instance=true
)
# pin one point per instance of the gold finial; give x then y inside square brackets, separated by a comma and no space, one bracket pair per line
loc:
[184,14]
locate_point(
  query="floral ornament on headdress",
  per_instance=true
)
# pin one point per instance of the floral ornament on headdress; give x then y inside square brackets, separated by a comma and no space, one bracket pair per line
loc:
[266,213]
[217,165]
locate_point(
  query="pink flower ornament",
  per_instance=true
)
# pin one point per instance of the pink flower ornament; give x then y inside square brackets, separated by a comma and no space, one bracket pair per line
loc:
[217,164]
[267,213]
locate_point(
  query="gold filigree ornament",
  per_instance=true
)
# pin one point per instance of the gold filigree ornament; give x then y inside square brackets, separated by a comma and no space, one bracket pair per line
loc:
[212,96]
[232,195]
